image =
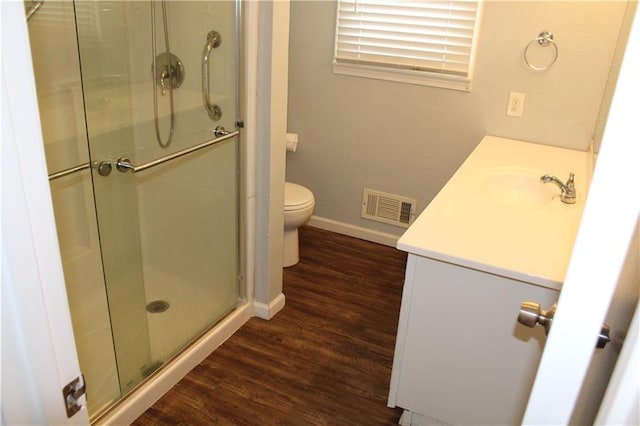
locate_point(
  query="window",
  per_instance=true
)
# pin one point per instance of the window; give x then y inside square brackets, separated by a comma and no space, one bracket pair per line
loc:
[425,42]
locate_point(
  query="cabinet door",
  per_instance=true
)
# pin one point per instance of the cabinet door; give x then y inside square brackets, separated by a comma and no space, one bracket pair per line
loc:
[465,359]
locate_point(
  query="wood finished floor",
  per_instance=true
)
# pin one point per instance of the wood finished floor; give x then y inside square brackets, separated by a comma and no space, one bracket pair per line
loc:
[325,359]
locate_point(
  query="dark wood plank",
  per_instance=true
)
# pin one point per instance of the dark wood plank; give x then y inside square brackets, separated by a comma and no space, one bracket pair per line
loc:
[325,359]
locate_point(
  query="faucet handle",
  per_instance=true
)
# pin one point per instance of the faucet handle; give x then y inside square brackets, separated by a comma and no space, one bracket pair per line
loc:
[571,187]
[569,196]
[568,189]
[571,178]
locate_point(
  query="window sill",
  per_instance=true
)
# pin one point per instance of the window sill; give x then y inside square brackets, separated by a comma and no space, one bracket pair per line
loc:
[404,76]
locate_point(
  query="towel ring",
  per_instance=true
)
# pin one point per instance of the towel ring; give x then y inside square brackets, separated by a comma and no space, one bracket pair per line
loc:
[544,39]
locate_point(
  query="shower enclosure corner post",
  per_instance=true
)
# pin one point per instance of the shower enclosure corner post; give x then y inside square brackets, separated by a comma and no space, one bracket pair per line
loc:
[271,121]
[247,18]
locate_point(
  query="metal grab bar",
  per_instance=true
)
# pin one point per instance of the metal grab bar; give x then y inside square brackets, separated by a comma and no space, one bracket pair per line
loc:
[35,5]
[124,164]
[213,40]
[69,171]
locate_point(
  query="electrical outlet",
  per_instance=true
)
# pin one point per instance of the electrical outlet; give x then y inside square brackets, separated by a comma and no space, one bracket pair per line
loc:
[516,104]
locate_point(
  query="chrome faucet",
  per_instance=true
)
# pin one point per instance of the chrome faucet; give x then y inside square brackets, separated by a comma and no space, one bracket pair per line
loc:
[568,189]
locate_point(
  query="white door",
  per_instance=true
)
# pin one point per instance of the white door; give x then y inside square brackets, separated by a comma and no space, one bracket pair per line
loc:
[38,348]
[604,255]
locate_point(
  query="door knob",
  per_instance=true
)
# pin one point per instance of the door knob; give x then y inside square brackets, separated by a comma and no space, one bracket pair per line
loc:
[530,314]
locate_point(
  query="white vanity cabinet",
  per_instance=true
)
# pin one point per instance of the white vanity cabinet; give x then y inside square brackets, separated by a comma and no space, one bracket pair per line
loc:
[461,358]
[494,237]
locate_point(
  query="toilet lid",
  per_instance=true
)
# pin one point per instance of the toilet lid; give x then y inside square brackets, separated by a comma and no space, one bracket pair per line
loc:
[296,196]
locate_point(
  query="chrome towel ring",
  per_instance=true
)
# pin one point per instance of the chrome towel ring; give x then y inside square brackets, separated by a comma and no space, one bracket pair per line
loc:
[544,39]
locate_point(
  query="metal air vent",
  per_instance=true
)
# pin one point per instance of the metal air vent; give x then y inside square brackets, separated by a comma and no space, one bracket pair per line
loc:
[388,208]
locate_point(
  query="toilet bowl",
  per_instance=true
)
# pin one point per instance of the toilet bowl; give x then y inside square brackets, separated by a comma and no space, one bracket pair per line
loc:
[298,207]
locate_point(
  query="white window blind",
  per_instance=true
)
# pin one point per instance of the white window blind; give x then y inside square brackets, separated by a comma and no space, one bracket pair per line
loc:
[419,38]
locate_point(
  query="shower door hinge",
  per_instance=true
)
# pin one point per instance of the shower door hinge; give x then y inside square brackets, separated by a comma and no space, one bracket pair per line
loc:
[73,395]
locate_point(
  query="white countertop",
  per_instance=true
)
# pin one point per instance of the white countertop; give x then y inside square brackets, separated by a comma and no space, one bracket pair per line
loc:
[472,224]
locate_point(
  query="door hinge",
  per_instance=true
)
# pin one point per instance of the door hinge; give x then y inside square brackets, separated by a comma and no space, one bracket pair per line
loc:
[73,395]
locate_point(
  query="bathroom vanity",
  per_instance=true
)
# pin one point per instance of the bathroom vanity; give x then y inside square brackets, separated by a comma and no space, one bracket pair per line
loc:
[494,237]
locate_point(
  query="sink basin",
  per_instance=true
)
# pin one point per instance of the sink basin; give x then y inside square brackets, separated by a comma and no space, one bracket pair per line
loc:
[516,187]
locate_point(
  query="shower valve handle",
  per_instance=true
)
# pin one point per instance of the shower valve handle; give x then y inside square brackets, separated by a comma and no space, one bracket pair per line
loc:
[164,88]
[163,76]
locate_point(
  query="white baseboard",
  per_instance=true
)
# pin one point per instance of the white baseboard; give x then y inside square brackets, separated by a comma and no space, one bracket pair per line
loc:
[267,311]
[409,418]
[353,231]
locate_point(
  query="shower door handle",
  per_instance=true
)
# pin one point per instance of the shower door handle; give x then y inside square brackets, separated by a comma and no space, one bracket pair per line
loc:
[221,135]
[213,40]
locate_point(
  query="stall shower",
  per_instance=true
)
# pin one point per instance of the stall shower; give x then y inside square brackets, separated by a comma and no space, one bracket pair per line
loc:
[140,116]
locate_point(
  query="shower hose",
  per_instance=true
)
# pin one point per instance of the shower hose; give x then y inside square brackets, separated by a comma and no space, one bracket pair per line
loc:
[163,144]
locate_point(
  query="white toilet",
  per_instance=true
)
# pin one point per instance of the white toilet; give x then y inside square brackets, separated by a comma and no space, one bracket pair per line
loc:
[298,207]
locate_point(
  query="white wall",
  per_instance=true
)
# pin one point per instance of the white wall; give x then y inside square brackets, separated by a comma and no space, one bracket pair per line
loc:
[408,139]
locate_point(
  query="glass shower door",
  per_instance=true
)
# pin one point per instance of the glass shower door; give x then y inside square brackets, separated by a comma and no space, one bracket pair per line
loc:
[55,58]
[162,236]
[169,233]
